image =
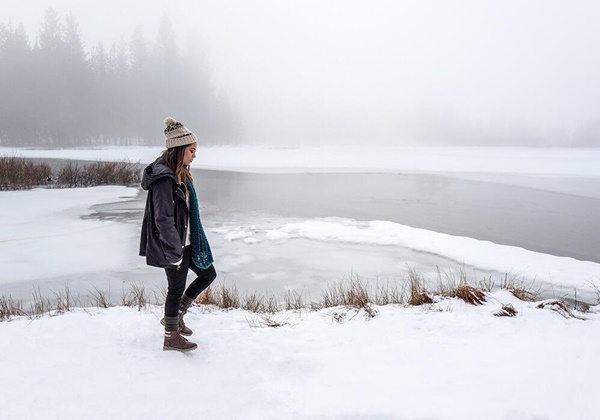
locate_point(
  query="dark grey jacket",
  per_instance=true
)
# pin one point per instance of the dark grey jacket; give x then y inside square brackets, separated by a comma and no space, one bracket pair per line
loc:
[165,218]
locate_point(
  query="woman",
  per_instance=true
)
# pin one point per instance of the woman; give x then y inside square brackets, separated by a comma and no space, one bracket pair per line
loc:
[172,236]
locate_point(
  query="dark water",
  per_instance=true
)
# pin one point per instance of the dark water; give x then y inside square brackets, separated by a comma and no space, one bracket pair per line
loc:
[550,222]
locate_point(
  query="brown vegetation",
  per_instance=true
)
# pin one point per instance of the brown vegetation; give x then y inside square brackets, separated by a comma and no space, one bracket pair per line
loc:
[98,173]
[347,298]
[507,310]
[418,294]
[20,174]
[469,294]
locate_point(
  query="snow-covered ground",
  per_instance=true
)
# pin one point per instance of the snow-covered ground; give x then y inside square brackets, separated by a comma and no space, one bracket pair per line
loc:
[446,361]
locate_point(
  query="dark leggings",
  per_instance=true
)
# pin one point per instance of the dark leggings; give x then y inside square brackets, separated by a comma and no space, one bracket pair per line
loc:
[177,278]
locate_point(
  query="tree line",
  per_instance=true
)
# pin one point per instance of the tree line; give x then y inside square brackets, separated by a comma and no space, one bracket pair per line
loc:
[55,93]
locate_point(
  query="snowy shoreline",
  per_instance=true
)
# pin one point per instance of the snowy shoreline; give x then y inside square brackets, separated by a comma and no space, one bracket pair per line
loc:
[472,364]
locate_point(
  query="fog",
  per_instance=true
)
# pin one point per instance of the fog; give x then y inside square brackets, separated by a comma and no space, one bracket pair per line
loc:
[378,72]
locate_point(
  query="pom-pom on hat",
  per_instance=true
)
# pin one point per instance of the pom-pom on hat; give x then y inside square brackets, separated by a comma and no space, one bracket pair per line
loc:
[176,134]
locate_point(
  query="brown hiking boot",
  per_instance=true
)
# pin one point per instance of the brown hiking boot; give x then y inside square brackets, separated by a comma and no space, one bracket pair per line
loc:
[181,327]
[174,341]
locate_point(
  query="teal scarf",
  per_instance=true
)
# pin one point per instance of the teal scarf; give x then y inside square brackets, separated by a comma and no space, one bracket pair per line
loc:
[201,253]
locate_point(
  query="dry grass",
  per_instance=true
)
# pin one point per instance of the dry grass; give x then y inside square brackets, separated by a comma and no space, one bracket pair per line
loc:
[112,173]
[507,310]
[40,305]
[449,280]
[136,296]
[207,297]
[557,306]
[486,284]
[253,303]
[70,175]
[469,294]
[417,292]
[584,307]
[390,294]
[520,290]
[73,174]
[271,304]
[22,174]
[64,300]
[229,297]
[221,296]
[99,298]
[353,295]
[10,308]
[455,284]
[293,301]
[597,291]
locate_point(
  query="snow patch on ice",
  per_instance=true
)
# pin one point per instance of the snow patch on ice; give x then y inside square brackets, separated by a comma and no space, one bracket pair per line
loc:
[563,271]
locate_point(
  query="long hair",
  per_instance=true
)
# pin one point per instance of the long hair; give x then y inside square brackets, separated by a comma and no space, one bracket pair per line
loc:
[174,159]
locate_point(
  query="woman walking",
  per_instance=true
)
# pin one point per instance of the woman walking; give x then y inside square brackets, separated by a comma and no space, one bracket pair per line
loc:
[172,235]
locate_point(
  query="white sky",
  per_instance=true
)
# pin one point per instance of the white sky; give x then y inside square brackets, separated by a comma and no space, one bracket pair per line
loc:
[346,68]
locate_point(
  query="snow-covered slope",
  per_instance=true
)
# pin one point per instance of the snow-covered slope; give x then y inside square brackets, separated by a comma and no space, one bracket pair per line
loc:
[447,361]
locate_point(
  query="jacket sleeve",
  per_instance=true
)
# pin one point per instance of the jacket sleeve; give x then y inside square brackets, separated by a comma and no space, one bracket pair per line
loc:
[164,219]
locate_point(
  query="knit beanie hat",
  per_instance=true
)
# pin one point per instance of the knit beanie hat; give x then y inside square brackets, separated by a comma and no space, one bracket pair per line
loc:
[176,134]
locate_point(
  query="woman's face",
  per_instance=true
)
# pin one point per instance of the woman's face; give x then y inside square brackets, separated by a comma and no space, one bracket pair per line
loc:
[189,154]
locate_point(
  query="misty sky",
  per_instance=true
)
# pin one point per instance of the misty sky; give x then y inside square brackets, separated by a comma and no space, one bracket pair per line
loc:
[311,71]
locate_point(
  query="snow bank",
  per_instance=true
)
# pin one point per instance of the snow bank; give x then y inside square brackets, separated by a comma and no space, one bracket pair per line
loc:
[564,273]
[447,361]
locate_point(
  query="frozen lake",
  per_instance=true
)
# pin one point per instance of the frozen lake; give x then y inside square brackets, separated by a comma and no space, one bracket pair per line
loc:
[557,216]
[552,215]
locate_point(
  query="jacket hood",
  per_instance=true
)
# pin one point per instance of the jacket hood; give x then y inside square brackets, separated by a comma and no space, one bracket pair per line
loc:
[156,170]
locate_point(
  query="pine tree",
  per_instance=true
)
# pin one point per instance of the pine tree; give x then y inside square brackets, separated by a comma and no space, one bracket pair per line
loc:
[51,104]
[50,35]
[98,95]
[118,77]
[139,85]
[17,122]
[77,79]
